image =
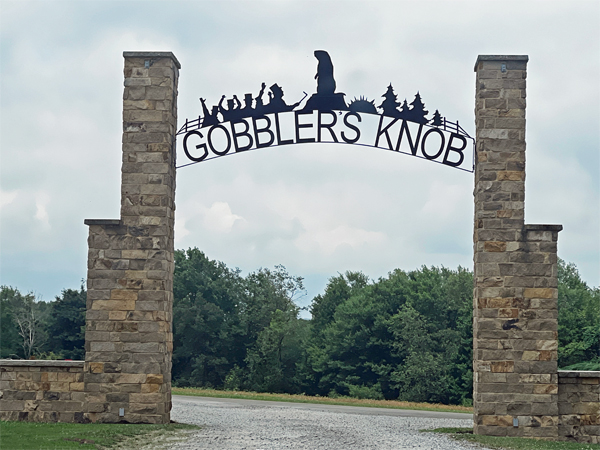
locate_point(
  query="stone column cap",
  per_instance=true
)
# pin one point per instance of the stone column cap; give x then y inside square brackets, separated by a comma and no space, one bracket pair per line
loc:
[539,227]
[481,58]
[152,55]
[40,363]
[102,221]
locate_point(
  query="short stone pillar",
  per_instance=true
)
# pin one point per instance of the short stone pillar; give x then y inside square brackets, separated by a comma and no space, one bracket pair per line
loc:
[129,340]
[515,325]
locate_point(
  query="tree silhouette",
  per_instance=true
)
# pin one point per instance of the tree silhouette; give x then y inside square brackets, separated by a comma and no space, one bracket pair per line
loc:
[390,104]
[417,113]
[437,119]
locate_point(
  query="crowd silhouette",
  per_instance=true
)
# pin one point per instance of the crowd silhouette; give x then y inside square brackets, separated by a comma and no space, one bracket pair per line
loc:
[325,99]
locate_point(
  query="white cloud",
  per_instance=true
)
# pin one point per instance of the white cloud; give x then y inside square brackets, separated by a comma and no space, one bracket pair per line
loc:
[6,198]
[326,242]
[219,218]
[42,200]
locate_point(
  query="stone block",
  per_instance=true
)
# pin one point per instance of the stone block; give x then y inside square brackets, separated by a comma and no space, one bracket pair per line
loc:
[146,347]
[117,315]
[540,293]
[114,305]
[154,379]
[150,388]
[490,430]
[502,366]
[102,347]
[589,408]
[12,405]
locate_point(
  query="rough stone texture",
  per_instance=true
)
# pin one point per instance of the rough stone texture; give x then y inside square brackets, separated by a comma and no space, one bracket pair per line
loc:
[515,327]
[42,391]
[579,405]
[129,339]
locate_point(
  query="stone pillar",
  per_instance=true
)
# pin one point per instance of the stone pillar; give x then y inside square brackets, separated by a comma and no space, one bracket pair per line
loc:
[515,324]
[129,340]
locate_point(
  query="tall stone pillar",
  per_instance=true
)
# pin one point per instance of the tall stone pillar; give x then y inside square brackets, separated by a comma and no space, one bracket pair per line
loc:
[515,324]
[129,340]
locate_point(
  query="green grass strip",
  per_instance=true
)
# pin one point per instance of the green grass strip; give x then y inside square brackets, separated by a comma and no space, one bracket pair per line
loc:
[59,436]
[345,401]
[512,443]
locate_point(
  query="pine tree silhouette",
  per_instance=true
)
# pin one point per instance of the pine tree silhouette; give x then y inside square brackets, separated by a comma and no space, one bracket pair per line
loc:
[417,113]
[404,110]
[390,104]
[437,119]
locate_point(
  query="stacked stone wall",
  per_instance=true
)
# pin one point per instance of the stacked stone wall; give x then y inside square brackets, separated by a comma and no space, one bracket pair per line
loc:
[42,391]
[579,405]
[129,338]
[515,328]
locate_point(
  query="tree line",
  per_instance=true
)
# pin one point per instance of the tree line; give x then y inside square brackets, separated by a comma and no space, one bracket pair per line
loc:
[406,336]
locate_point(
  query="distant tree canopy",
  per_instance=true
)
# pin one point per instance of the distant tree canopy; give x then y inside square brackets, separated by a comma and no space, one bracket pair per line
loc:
[406,336]
[32,328]
[578,321]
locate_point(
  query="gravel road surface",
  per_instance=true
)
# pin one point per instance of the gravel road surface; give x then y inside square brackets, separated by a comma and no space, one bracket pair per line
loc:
[232,424]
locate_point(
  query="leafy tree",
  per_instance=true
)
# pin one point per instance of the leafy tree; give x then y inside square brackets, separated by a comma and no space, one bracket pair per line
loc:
[578,319]
[208,334]
[27,319]
[10,341]
[338,290]
[274,330]
[66,324]
[272,361]
[267,291]
[231,331]
[400,336]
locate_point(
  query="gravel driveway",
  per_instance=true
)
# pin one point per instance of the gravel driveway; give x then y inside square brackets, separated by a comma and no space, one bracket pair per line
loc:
[232,424]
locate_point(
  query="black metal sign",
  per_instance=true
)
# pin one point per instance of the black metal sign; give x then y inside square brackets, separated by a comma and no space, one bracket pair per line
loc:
[231,127]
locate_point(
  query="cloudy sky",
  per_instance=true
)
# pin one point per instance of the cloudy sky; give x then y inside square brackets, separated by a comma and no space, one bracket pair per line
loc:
[318,209]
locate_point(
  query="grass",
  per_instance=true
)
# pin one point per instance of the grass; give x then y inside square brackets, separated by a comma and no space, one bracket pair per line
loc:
[512,443]
[59,436]
[346,401]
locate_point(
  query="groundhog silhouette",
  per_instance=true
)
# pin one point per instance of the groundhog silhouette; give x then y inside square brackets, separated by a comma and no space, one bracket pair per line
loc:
[324,76]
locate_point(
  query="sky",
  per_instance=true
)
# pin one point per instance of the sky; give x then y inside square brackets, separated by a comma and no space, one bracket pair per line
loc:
[318,209]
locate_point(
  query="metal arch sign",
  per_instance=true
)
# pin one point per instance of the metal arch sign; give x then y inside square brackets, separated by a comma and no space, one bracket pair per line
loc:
[230,127]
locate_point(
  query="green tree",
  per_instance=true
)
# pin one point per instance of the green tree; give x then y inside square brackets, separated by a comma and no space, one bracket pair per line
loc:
[26,319]
[209,339]
[267,291]
[10,341]
[274,331]
[272,361]
[578,319]
[406,335]
[66,324]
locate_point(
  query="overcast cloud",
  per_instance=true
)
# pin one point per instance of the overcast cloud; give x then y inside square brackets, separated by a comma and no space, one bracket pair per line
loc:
[317,209]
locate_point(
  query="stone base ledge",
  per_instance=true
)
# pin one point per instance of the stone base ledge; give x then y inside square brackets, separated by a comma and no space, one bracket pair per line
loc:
[39,363]
[578,374]
[91,222]
[538,227]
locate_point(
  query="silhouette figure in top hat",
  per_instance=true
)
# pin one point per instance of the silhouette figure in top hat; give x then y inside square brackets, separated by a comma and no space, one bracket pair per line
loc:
[247,110]
[276,102]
